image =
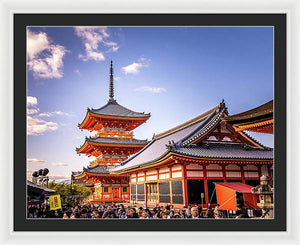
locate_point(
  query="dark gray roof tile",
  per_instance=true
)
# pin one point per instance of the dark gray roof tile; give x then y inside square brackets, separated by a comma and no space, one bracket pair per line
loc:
[224,150]
[157,148]
[112,108]
[102,140]
[97,169]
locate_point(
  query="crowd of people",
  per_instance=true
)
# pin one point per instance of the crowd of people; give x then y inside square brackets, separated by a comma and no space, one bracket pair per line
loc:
[119,211]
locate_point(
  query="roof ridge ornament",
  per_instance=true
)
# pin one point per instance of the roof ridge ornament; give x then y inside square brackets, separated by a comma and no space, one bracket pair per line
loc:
[170,145]
[222,106]
[111,83]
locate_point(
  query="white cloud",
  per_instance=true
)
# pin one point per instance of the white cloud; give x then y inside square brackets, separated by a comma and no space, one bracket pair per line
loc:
[36,43]
[92,37]
[32,111]
[45,114]
[31,101]
[151,89]
[113,46]
[135,67]
[55,113]
[59,164]
[37,126]
[32,105]
[45,59]
[34,160]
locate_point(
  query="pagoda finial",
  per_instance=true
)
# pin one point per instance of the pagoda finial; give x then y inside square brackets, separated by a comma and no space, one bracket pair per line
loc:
[111,82]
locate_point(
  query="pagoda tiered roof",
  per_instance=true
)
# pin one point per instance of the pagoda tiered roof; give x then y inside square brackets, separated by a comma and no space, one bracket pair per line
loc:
[96,172]
[111,142]
[100,169]
[97,169]
[118,141]
[112,108]
[113,111]
[190,140]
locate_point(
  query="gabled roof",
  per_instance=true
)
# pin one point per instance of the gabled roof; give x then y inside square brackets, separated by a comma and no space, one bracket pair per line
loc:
[158,146]
[206,126]
[112,108]
[181,140]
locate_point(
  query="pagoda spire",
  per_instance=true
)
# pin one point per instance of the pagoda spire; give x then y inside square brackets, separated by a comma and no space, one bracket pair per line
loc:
[111,83]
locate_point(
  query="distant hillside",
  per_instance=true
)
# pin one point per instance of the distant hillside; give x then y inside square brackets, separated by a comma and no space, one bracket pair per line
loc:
[68,181]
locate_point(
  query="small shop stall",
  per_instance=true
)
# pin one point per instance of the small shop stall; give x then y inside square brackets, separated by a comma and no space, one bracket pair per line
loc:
[231,196]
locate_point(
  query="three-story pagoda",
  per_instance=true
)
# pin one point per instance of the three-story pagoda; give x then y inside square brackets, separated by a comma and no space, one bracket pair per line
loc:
[112,143]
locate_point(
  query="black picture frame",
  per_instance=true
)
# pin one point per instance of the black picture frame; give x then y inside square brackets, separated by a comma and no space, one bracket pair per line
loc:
[21,21]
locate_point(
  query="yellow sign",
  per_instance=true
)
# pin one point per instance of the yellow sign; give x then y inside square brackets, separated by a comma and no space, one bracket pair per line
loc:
[202,195]
[55,202]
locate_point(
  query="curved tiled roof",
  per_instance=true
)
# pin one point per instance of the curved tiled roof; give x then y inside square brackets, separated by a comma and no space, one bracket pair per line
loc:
[205,127]
[97,169]
[224,150]
[112,108]
[118,141]
[157,147]
[262,112]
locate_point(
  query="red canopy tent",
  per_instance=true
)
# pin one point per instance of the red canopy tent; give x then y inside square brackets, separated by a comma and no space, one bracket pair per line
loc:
[227,195]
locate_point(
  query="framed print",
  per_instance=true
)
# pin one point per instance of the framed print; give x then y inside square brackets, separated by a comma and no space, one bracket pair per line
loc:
[149,122]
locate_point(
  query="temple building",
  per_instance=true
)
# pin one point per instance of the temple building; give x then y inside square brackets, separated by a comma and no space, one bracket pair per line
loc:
[182,165]
[111,144]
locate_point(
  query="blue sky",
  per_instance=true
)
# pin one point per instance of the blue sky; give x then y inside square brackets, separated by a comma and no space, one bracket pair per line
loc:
[176,73]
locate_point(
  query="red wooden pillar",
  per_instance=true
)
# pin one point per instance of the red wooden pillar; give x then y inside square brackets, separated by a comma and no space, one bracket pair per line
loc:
[205,186]
[145,188]
[157,172]
[224,173]
[185,189]
[170,183]
[242,174]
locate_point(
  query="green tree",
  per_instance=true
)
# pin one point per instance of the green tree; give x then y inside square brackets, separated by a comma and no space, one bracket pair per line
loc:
[70,193]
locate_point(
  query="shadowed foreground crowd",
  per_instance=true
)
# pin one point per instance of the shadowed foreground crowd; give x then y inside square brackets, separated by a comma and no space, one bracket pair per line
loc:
[122,212]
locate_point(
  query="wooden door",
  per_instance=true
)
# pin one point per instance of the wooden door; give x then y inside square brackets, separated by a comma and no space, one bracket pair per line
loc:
[152,192]
[116,193]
